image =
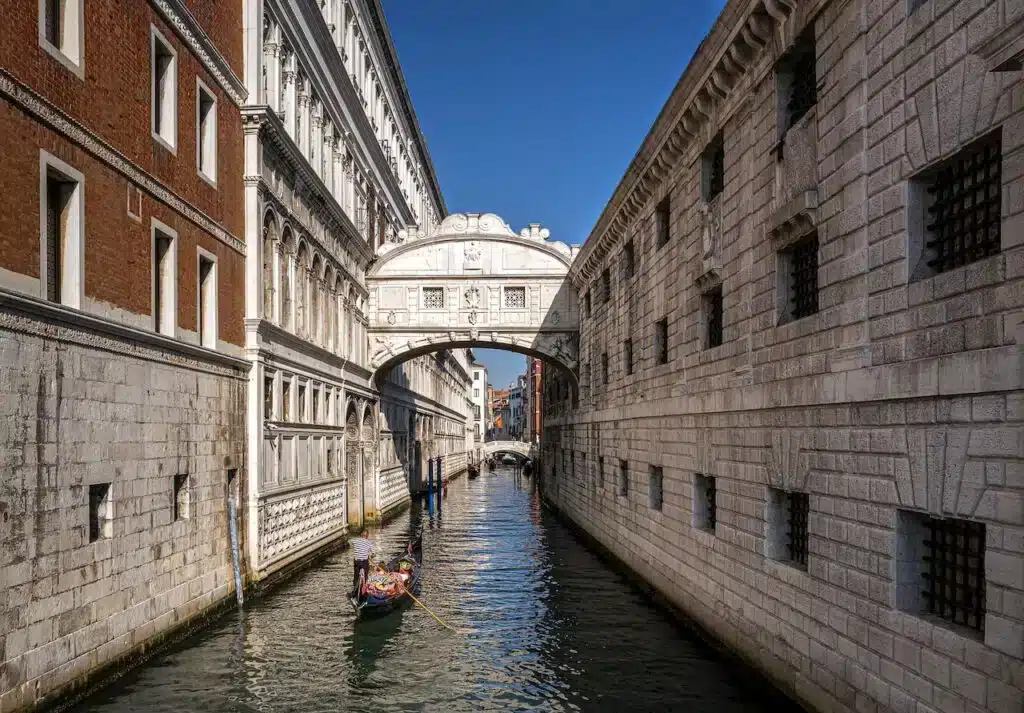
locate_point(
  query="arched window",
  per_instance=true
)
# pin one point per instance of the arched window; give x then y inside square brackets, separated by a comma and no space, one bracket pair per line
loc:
[301,289]
[350,305]
[287,248]
[269,246]
[315,332]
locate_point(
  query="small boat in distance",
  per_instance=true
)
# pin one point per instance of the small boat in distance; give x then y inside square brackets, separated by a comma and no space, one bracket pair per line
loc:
[387,587]
[474,471]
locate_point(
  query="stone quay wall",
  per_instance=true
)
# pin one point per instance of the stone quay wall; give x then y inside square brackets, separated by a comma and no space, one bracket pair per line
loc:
[895,405]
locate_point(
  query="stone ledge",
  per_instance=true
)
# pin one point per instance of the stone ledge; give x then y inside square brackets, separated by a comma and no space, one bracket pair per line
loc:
[1003,51]
[794,219]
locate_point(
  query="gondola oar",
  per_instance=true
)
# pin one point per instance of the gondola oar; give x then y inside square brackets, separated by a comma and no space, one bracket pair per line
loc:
[439,619]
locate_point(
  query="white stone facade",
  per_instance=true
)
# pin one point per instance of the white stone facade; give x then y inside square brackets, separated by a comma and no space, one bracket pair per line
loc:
[710,415]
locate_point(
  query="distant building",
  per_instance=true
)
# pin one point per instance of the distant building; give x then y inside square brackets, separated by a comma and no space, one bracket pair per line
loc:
[480,398]
[532,406]
[517,413]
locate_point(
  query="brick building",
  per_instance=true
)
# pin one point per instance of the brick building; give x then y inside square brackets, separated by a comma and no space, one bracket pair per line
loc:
[122,388]
[800,413]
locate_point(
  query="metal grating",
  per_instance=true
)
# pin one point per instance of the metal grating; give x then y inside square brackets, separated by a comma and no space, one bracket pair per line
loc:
[804,277]
[955,575]
[661,340]
[803,89]
[799,507]
[433,298]
[515,297]
[966,204]
[715,315]
[711,501]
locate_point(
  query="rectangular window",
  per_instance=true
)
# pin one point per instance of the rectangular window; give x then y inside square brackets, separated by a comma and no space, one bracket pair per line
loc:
[712,161]
[941,568]
[302,403]
[713,315]
[476,376]
[182,498]
[627,356]
[286,399]
[956,209]
[61,230]
[655,487]
[206,132]
[101,512]
[623,478]
[61,32]
[797,80]
[600,471]
[268,398]
[586,304]
[798,279]
[662,222]
[606,285]
[433,298]
[787,520]
[661,341]
[164,79]
[604,368]
[628,261]
[515,297]
[705,511]
[316,406]
[207,301]
[165,279]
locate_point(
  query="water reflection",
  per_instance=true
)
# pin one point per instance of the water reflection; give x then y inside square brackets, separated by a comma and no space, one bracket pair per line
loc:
[549,629]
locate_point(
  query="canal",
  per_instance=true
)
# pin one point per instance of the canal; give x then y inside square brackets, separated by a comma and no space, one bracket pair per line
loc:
[545,627]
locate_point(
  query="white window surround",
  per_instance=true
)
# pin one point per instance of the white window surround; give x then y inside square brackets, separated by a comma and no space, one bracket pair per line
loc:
[168,134]
[169,277]
[206,134]
[73,252]
[206,295]
[71,52]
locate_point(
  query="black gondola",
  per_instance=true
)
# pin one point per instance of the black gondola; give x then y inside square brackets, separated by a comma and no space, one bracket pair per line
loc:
[378,602]
[474,471]
[490,465]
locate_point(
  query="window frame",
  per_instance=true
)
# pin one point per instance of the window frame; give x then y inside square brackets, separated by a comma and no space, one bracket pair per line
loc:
[171,144]
[505,291]
[72,287]
[663,222]
[210,331]
[201,89]
[712,301]
[785,287]
[713,153]
[622,486]
[423,298]
[656,475]
[74,61]
[169,293]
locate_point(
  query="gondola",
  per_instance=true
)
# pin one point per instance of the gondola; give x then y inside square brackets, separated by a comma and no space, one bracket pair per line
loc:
[490,465]
[474,472]
[378,602]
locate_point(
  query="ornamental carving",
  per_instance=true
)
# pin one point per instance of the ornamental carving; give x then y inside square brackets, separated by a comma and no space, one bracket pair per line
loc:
[472,297]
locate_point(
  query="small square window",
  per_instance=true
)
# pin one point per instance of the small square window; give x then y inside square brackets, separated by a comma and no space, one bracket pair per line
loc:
[662,222]
[628,261]
[623,478]
[940,568]
[797,80]
[206,132]
[101,512]
[164,80]
[788,515]
[656,483]
[798,279]
[606,285]
[705,509]
[61,32]
[713,168]
[713,316]
[515,297]
[604,368]
[182,497]
[433,298]
[627,356]
[661,340]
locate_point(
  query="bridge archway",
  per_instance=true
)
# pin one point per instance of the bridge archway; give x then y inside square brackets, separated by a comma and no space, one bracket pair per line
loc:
[473,282]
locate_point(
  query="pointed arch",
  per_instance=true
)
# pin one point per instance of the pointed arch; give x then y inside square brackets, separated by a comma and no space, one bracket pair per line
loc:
[270,247]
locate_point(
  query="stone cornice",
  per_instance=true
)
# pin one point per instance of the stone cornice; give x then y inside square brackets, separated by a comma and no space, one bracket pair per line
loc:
[192,34]
[48,114]
[262,119]
[272,333]
[733,45]
[48,320]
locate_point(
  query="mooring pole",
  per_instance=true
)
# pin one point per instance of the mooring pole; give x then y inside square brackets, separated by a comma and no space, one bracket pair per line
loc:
[235,554]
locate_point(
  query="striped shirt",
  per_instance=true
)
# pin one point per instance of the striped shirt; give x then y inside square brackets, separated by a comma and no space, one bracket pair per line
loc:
[361,548]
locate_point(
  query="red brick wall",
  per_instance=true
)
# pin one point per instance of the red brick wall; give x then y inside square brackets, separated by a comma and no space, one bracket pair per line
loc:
[114,102]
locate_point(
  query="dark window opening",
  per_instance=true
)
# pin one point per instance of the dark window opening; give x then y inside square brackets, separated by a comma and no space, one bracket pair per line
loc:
[604,368]
[628,260]
[714,311]
[800,266]
[58,194]
[798,66]
[954,576]
[100,515]
[623,478]
[713,168]
[662,217]
[600,471]
[661,340]
[656,487]
[705,502]
[606,285]
[797,539]
[627,356]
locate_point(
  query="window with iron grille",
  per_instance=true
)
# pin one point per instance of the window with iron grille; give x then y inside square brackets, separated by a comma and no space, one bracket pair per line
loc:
[798,279]
[705,511]
[662,222]
[433,298]
[797,80]
[787,520]
[515,297]
[713,168]
[623,478]
[606,285]
[604,368]
[627,356]
[956,208]
[713,315]
[655,487]
[941,568]
[628,261]
[661,340]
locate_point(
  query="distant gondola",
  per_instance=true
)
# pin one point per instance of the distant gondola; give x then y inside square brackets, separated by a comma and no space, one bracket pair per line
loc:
[380,601]
[474,472]
[490,465]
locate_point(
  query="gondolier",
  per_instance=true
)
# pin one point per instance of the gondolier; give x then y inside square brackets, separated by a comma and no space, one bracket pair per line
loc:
[362,548]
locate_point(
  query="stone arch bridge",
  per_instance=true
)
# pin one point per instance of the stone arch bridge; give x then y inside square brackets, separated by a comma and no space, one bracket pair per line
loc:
[490,448]
[473,282]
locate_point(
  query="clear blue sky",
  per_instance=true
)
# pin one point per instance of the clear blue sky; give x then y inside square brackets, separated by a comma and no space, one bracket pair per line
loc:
[533,109]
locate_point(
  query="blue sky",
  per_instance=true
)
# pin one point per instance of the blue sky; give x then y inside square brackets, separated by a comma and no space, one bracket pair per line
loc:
[533,109]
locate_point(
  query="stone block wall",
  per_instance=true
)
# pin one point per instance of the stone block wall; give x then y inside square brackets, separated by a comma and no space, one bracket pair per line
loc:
[900,398]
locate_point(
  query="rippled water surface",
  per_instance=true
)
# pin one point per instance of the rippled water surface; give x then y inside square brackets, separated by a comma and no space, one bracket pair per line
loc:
[545,626]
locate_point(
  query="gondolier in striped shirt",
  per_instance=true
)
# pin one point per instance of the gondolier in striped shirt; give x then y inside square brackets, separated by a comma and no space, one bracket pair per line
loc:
[362,547]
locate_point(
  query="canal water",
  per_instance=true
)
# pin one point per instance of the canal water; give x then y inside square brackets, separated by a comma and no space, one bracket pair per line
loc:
[544,626]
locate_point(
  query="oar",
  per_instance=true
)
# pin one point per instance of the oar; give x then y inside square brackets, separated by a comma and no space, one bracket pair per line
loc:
[439,619]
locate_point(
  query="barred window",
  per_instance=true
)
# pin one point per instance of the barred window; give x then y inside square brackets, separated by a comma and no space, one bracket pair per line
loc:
[942,568]
[655,487]
[705,511]
[798,279]
[515,297]
[627,356]
[623,478]
[962,198]
[628,260]
[788,516]
[604,368]
[606,285]
[662,220]
[713,315]
[433,298]
[797,79]
[661,340]
[713,168]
